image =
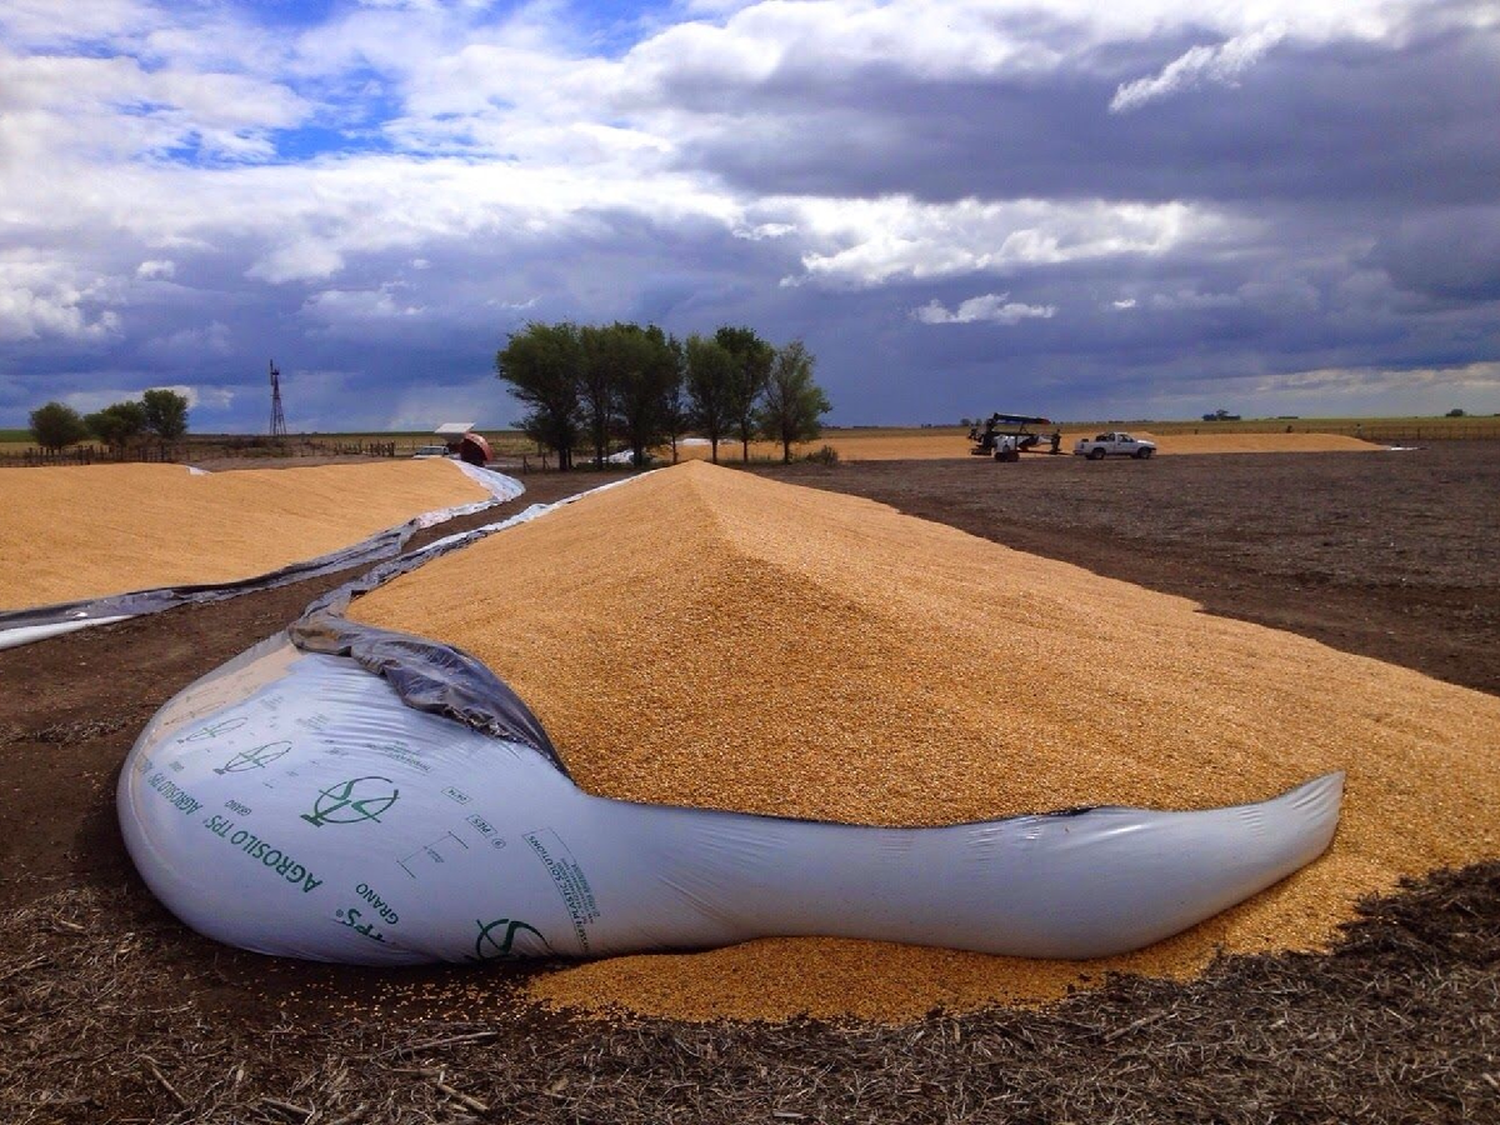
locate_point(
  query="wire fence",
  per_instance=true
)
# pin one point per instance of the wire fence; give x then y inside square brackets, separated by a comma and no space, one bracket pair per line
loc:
[87,455]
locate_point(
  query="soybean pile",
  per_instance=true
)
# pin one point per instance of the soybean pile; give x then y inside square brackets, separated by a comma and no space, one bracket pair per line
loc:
[80,532]
[704,637]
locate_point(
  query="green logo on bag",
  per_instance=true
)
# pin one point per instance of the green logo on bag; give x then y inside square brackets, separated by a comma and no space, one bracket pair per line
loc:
[496,939]
[352,801]
[257,758]
[216,730]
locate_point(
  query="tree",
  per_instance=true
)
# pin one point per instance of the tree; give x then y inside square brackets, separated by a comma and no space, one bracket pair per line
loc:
[647,370]
[56,425]
[598,377]
[543,364]
[118,424]
[166,413]
[677,414]
[710,372]
[753,357]
[794,404]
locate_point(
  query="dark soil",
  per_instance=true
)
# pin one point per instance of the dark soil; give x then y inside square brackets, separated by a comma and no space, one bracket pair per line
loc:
[111,1011]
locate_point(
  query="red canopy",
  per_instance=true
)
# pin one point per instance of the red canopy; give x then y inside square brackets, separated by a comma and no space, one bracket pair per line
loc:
[474,449]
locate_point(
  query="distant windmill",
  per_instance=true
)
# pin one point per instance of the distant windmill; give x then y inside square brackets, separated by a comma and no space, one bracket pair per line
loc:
[278,419]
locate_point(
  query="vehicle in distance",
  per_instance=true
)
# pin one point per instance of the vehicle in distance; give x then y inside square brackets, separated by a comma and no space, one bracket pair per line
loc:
[1005,436]
[1116,443]
[431,451]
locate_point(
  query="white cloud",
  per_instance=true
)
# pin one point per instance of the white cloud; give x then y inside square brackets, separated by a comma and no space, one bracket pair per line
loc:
[300,257]
[1345,390]
[762,231]
[1192,299]
[358,306]
[993,307]
[118,108]
[193,342]
[1220,66]
[155,268]
[44,298]
[1123,303]
[46,21]
[873,241]
[187,392]
[86,402]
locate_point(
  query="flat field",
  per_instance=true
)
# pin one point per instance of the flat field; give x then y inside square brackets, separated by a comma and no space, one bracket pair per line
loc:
[113,1011]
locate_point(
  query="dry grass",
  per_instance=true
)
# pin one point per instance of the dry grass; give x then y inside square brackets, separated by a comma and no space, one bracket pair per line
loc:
[79,532]
[735,643]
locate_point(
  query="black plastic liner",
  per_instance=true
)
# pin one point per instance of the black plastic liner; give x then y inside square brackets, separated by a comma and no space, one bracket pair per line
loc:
[427,675]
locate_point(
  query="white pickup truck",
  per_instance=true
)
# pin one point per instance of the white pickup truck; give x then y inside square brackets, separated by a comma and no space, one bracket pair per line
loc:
[1116,443]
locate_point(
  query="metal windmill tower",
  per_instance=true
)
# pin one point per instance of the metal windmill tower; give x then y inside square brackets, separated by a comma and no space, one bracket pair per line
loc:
[278,419]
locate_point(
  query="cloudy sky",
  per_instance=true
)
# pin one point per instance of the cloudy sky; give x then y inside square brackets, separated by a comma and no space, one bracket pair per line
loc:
[1144,209]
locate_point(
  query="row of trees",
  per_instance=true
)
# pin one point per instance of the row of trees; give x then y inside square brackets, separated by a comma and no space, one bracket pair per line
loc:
[591,385]
[160,413]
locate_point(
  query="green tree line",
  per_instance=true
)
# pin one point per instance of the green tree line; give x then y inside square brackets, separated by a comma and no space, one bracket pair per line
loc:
[160,413]
[592,386]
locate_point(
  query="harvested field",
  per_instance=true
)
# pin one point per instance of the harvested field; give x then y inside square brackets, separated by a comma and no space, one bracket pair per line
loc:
[1400,1023]
[82,532]
[784,652]
[952,444]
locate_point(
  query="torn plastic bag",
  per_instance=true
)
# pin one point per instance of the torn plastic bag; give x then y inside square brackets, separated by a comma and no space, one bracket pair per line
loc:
[291,803]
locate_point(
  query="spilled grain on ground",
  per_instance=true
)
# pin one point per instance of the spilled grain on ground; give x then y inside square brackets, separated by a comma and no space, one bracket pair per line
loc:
[79,532]
[705,637]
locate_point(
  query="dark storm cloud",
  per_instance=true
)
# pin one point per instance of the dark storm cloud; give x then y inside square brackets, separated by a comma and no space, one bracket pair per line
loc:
[1337,121]
[1365,175]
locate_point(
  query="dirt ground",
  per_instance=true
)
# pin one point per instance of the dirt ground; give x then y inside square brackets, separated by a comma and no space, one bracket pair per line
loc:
[112,1011]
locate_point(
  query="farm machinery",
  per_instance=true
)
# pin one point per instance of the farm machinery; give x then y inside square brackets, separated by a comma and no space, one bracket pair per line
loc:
[1006,436]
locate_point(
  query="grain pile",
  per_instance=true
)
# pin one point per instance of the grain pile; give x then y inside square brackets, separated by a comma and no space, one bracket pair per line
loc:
[705,637]
[1261,443]
[81,532]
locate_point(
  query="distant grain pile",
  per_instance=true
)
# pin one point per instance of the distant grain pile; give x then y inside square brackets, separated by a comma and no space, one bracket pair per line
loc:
[82,532]
[953,445]
[705,637]
[1262,443]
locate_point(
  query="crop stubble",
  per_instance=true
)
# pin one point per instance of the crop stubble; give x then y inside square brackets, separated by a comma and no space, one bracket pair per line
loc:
[81,532]
[708,638]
